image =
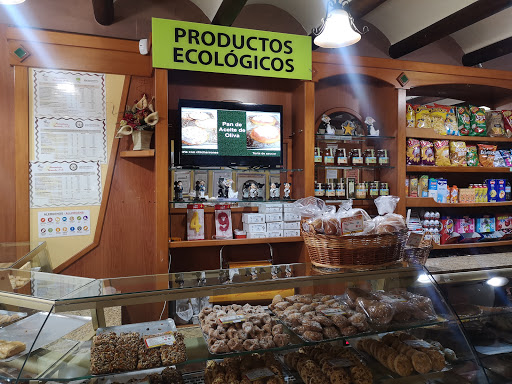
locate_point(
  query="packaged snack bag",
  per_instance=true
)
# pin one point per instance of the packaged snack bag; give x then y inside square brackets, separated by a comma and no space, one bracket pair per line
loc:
[423,119]
[411,116]
[486,154]
[507,157]
[413,152]
[438,117]
[499,161]
[458,153]
[507,122]
[450,123]
[471,156]
[494,122]
[442,150]
[478,126]
[427,153]
[463,120]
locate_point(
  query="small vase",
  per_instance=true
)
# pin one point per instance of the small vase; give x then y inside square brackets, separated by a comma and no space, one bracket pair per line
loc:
[141,140]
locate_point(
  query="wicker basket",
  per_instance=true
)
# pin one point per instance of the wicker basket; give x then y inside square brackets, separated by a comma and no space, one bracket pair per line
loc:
[354,251]
[417,255]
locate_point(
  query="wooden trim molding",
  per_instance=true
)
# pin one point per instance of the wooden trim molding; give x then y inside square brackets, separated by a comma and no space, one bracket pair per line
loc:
[106,189]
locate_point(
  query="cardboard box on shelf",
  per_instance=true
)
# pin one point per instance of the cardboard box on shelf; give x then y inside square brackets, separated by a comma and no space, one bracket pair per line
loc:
[291,217]
[253,218]
[272,217]
[254,228]
[275,234]
[256,235]
[270,208]
[275,226]
[289,225]
[291,232]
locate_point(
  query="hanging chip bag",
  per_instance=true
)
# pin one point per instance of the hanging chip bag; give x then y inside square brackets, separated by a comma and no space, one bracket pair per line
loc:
[442,150]
[411,117]
[463,120]
[478,126]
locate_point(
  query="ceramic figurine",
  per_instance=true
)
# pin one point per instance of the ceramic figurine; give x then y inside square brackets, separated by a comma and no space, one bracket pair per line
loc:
[223,189]
[245,190]
[253,191]
[197,189]
[202,190]
[232,194]
[274,191]
[287,192]
[326,125]
[178,191]
[322,128]
[370,121]
[261,191]
[358,131]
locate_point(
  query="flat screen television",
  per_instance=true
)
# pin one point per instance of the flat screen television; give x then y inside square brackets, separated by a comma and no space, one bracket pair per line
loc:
[214,133]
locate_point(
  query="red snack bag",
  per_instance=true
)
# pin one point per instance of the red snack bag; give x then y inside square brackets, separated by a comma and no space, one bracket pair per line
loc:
[507,120]
[413,152]
[427,153]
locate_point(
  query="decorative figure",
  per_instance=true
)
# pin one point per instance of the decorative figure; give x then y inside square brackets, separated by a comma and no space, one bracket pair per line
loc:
[232,195]
[202,190]
[178,191]
[253,191]
[369,121]
[197,189]
[287,191]
[322,128]
[245,190]
[223,188]
[359,131]
[261,191]
[348,126]
[274,191]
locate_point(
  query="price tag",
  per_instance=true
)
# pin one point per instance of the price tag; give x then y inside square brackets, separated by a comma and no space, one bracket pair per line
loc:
[223,223]
[418,343]
[259,373]
[195,222]
[333,311]
[166,338]
[341,363]
[231,319]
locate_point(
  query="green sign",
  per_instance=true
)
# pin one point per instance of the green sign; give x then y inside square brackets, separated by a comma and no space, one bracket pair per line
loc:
[212,48]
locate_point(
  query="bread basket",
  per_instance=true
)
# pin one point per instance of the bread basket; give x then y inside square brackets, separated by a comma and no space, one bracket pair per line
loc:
[355,251]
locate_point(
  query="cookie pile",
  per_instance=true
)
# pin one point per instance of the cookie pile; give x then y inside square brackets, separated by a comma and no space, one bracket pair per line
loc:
[128,352]
[244,368]
[318,317]
[404,354]
[328,364]
[235,328]
[8,319]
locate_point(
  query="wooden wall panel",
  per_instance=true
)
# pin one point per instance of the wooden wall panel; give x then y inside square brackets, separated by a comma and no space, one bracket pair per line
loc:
[7,150]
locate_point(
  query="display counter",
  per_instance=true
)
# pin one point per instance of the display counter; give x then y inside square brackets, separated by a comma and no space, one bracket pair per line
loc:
[385,325]
[27,255]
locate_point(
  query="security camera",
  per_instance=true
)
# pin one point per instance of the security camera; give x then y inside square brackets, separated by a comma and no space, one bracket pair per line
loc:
[143,46]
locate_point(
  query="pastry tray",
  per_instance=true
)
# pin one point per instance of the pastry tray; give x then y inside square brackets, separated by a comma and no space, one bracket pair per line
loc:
[40,329]
[145,329]
[20,315]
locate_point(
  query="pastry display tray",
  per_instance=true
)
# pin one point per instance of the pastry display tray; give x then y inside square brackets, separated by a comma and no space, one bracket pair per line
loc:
[20,315]
[145,329]
[40,329]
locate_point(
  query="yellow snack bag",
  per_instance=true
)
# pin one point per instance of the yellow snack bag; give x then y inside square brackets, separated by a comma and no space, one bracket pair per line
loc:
[411,117]
[458,153]
[442,150]
[423,119]
[438,116]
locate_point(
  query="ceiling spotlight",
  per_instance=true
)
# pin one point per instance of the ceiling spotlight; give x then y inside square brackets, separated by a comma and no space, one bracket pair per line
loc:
[11,2]
[338,28]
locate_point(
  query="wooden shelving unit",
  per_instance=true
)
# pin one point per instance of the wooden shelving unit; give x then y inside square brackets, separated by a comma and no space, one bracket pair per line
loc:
[421,133]
[429,169]
[220,243]
[474,245]
[427,202]
[143,153]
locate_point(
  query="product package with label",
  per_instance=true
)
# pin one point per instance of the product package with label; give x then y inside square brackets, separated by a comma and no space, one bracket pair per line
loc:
[253,218]
[195,222]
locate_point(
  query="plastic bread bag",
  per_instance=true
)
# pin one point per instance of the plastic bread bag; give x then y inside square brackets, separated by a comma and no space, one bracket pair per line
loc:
[353,221]
[378,312]
[309,207]
[387,221]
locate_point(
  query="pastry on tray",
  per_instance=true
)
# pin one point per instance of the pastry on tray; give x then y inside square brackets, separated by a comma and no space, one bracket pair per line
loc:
[10,348]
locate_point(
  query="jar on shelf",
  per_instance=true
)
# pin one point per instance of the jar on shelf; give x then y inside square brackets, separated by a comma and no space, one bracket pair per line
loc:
[382,156]
[369,157]
[384,189]
[361,191]
[318,155]
[340,189]
[356,157]
[351,188]
[341,157]
[319,190]
[374,189]
[330,190]
[329,153]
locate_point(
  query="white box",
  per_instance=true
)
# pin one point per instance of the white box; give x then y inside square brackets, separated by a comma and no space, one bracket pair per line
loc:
[275,226]
[255,228]
[288,209]
[275,234]
[287,225]
[291,232]
[291,217]
[269,209]
[256,235]
[271,217]
[253,218]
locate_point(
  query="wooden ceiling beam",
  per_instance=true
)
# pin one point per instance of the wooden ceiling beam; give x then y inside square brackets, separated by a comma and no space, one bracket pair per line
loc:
[228,12]
[492,51]
[360,8]
[103,11]
[461,19]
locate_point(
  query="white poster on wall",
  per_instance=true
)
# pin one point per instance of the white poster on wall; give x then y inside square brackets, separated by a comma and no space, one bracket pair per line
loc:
[64,183]
[70,139]
[60,93]
[64,223]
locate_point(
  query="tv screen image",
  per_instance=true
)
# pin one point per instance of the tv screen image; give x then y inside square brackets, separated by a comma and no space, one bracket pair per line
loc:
[228,134]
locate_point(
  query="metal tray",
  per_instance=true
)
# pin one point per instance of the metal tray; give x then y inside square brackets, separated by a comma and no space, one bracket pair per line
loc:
[145,329]
[20,315]
[51,326]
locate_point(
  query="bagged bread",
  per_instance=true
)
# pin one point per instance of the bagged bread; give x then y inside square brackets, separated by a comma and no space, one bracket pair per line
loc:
[387,221]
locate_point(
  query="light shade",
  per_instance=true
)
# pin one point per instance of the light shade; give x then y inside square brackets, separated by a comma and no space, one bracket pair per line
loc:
[11,2]
[337,31]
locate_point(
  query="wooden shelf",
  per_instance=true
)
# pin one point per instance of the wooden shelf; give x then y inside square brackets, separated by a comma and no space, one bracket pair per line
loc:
[220,243]
[143,153]
[474,245]
[428,202]
[422,133]
[207,209]
[430,169]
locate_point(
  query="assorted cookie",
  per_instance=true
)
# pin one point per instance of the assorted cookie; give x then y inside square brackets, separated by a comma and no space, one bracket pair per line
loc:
[328,364]
[318,317]
[247,369]
[168,376]
[111,353]
[8,319]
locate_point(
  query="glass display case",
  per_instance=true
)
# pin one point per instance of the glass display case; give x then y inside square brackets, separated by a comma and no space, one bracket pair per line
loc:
[483,302]
[27,255]
[380,326]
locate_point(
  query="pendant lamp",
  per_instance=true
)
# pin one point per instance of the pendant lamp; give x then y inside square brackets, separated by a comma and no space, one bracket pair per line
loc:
[11,2]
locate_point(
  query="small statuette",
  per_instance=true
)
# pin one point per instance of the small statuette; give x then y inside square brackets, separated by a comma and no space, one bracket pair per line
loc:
[370,121]
[287,192]
[178,191]
[274,191]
